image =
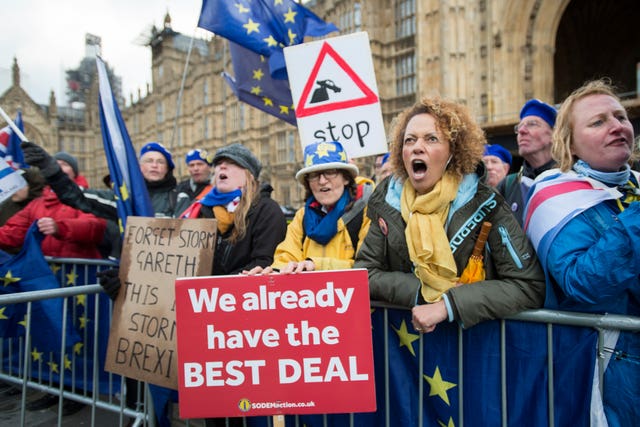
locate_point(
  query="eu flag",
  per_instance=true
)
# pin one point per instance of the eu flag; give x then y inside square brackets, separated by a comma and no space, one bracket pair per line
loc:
[431,379]
[253,84]
[29,271]
[265,27]
[132,197]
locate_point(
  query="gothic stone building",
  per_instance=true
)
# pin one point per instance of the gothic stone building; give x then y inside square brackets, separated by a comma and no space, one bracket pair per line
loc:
[491,55]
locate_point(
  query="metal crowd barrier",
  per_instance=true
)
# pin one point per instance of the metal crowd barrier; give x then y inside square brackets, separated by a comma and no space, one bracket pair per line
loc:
[105,393]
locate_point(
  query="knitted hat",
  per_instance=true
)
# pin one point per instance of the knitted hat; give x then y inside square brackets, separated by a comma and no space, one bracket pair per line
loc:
[321,156]
[68,159]
[535,107]
[241,155]
[198,154]
[156,146]
[498,151]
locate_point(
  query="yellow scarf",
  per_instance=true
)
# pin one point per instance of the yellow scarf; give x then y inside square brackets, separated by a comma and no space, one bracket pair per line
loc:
[224,217]
[427,241]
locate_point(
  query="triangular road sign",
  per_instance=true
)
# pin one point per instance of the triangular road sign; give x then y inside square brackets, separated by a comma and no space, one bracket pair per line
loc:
[304,110]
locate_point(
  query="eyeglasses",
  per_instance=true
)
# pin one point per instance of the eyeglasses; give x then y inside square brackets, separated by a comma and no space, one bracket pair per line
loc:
[529,124]
[328,174]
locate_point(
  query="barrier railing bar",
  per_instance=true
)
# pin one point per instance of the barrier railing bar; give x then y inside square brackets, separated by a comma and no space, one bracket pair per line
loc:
[503,373]
[550,418]
[461,378]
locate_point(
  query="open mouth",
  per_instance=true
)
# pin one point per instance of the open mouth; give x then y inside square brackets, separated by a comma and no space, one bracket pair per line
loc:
[419,168]
[222,176]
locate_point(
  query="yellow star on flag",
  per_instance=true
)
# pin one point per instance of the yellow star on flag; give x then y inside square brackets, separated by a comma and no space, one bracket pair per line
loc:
[438,386]
[290,16]
[83,322]
[284,109]
[256,90]
[270,41]
[36,355]
[77,348]
[292,37]
[252,26]
[67,362]
[277,2]
[81,300]
[267,101]
[406,338]
[241,8]
[258,74]
[55,268]
[9,279]
[2,315]
[449,424]
[71,278]
[124,193]
[23,322]
[53,367]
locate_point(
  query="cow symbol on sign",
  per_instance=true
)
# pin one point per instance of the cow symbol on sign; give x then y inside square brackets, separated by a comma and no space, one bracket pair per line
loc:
[321,93]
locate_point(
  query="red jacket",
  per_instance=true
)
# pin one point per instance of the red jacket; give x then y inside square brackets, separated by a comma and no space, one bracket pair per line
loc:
[78,234]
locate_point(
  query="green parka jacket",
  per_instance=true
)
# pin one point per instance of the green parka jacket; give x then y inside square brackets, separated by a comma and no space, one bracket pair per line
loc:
[514,278]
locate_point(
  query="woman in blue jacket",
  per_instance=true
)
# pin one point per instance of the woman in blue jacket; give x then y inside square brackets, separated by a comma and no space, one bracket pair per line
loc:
[584,221]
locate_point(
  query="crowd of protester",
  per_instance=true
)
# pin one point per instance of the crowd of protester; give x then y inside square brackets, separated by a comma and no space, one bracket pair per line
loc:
[570,248]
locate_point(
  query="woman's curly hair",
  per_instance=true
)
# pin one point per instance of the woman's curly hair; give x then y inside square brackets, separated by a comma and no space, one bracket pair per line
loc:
[466,138]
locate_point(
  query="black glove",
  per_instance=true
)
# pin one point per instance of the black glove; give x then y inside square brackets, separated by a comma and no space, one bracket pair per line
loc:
[110,282]
[34,155]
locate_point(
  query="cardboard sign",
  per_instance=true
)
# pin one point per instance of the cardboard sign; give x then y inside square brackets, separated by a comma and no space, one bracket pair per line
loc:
[336,100]
[275,344]
[142,340]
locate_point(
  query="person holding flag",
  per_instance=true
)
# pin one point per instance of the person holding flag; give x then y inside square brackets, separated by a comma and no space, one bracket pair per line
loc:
[426,219]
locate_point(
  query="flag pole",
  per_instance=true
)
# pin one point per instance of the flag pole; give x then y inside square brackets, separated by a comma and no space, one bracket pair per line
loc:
[179,101]
[13,126]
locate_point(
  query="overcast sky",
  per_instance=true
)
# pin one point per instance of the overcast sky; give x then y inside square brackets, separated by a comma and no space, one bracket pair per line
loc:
[47,37]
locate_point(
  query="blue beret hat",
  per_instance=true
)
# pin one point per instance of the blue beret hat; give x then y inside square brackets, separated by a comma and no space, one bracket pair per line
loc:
[198,154]
[156,146]
[498,151]
[535,107]
[323,156]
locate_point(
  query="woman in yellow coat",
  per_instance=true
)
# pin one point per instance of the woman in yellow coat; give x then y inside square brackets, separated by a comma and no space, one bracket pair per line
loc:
[325,233]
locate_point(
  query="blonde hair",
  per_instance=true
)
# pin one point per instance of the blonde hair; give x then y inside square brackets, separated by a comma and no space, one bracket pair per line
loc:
[250,194]
[466,138]
[562,139]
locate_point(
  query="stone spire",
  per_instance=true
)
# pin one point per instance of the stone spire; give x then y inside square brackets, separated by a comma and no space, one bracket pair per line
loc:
[16,72]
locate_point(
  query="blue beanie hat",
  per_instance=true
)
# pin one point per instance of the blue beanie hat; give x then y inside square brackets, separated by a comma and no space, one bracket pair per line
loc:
[198,154]
[498,151]
[385,158]
[535,107]
[156,146]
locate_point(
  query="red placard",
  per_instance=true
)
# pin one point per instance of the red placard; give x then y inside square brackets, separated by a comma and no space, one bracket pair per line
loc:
[276,344]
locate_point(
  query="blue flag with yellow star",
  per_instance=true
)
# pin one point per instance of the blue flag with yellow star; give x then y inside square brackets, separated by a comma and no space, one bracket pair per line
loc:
[263,26]
[29,271]
[253,84]
[132,197]
[449,385]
